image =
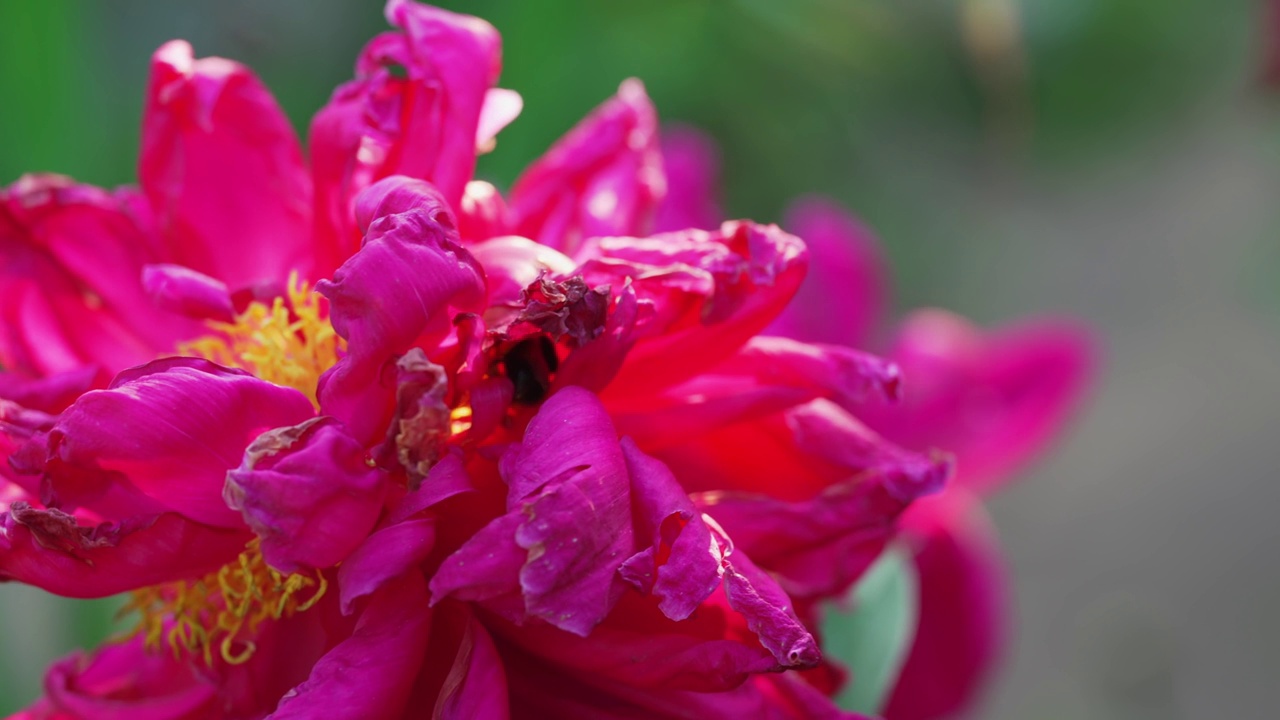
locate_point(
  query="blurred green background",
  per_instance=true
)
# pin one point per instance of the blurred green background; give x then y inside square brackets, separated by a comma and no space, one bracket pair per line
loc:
[1112,159]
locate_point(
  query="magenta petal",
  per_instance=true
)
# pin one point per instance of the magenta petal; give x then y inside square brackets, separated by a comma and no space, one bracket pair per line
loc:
[414,109]
[47,394]
[70,259]
[568,527]
[309,492]
[186,292]
[577,525]
[824,430]
[684,564]
[486,567]
[769,613]
[692,165]
[963,607]
[123,682]
[476,686]
[51,550]
[602,178]
[570,434]
[371,673]
[403,289]
[847,289]
[166,432]
[223,170]
[384,556]
[994,398]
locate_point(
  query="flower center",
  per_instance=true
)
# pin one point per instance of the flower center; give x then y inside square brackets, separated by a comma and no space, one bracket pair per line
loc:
[287,343]
[224,608]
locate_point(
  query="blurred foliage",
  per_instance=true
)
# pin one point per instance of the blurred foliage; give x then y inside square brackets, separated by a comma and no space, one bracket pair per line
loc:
[888,105]
[871,631]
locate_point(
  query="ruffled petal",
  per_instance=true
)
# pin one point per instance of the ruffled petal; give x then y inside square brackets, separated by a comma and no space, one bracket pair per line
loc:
[684,564]
[51,550]
[415,109]
[963,609]
[370,674]
[309,492]
[847,290]
[123,681]
[994,398]
[769,613]
[602,178]
[691,162]
[163,436]
[402,290]
[71,257]
[223,170]
[707,294]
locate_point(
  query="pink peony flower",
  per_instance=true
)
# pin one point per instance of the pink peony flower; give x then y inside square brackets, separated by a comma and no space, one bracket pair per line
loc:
[993,398]
[364,439]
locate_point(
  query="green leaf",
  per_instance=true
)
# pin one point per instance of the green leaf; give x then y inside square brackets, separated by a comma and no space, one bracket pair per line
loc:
[871,629]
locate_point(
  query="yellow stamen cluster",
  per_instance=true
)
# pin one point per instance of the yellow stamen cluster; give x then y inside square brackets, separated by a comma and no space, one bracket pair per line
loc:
[224,608]
[287,343]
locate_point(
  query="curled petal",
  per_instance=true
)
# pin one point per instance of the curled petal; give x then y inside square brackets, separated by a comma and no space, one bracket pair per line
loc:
[308,492]
[370,674]
[994,398]
[847,290]
[603,178]
[51,550]
[810,495]
[767,375]
[769,614]
[164,435]
[684,564]
[709,293]
[385,555]
[223,170]
[123,680]
[70,260]
[415,109]
[691,162]
[402,290]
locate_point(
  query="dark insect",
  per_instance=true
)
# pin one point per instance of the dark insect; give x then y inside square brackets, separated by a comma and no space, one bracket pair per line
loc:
[530,366]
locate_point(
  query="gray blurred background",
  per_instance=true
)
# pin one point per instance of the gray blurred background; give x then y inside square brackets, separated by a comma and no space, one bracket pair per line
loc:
[1113,159]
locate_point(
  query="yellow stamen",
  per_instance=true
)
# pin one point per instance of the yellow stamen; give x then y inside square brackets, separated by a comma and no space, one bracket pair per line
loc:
[224,608]
[459,420]
[289,344]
